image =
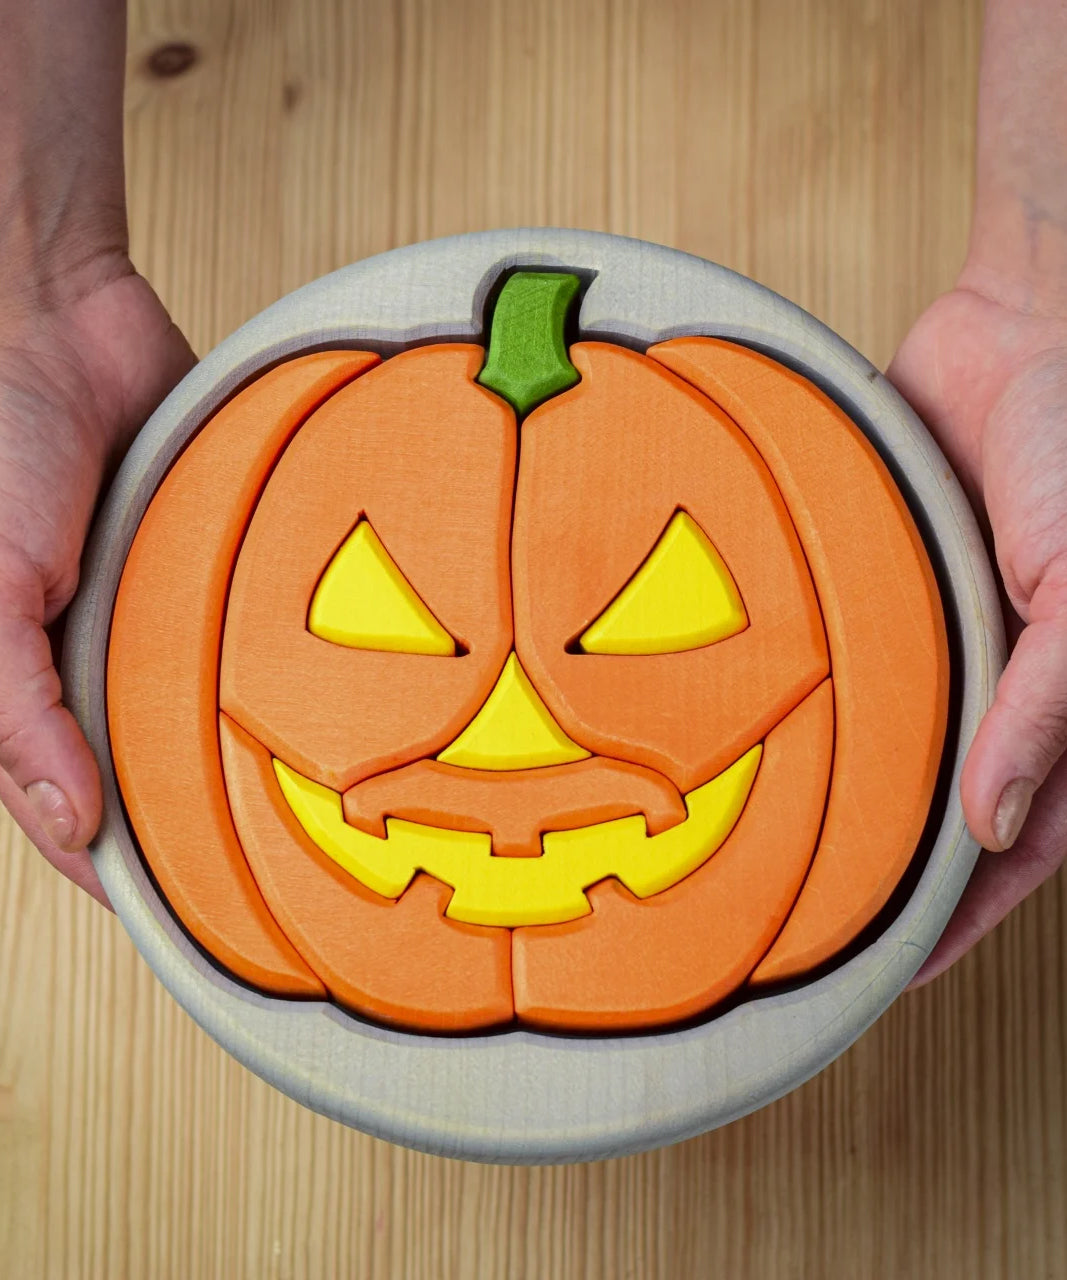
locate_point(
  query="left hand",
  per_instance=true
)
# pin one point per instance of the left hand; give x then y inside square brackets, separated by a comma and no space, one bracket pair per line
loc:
[80,370]
[991,384]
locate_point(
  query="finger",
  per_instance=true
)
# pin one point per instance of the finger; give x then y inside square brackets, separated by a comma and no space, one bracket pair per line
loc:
[77,866]
[41,747]
[1024,732]
[1001,881]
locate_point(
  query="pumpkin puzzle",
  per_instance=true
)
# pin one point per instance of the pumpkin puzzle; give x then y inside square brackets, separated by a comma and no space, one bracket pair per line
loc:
[547,682]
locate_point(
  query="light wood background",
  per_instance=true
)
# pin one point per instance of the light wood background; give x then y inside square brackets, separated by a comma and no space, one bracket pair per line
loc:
[824,147]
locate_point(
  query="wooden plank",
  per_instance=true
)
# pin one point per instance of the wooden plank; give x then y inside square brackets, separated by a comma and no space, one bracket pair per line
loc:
[824,148]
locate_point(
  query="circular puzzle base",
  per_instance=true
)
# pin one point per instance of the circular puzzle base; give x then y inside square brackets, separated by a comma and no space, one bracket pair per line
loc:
[531,673]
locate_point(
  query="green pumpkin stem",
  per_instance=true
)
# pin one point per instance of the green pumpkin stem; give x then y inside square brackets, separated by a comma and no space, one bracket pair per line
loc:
[527,361]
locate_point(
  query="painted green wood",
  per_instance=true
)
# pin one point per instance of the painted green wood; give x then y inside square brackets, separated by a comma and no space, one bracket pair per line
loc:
[527,361]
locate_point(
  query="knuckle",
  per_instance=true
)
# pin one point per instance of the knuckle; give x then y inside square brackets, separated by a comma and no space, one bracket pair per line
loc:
[20,580]
[1044,726]
[62,592]
[11,735]
[1049,598]
[33,587]
[33,696]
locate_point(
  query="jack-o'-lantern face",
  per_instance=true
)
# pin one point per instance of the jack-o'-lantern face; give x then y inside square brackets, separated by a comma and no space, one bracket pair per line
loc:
[506,686]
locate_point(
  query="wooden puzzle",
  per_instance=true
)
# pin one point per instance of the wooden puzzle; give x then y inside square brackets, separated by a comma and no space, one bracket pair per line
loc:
[541,680]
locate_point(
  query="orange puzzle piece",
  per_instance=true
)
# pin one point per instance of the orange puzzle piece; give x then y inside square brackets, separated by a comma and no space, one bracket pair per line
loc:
[888,646]
[517,808]
[646,963]
[428,457]
[163,668]
[373,954]
[603,469]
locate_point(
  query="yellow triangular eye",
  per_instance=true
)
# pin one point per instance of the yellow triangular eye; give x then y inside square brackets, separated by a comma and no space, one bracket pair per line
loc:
[682,597]
[513,730]
[363,601]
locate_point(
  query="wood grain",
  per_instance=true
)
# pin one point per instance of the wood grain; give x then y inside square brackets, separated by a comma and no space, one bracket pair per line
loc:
[824,147]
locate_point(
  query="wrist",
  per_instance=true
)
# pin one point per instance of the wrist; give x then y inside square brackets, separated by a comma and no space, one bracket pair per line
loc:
[1017,257]
[48,275]
[62,186]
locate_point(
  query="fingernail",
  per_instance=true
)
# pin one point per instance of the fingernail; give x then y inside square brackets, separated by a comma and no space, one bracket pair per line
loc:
[1011,811]
[54,813]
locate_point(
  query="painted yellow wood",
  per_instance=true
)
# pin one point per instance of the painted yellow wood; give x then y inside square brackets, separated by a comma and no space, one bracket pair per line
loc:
[511,892]
[363,601]
[824,148]
[512,730]
[681,597]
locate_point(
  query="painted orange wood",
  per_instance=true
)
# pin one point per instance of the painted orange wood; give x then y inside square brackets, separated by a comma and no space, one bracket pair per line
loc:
[402,961]
[417,448]
[517,807]
[669,957]
[886,632]
[602,470]
[429,458]
[163,668]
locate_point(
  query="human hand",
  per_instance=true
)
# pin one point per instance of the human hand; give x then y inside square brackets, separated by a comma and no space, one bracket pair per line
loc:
[82,364]
[991,383]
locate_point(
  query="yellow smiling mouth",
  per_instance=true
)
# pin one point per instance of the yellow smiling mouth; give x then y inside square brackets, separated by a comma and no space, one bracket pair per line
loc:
[511,892]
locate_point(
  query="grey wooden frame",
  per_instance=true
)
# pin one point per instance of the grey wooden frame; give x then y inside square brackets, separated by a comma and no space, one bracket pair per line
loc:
[520,1096]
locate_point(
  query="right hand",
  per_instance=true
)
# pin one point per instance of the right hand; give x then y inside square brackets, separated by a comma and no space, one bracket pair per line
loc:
[78,377]
[991,383]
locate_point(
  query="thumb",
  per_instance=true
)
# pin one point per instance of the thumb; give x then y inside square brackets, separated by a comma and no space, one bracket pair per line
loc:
[1024,732]
[41,746]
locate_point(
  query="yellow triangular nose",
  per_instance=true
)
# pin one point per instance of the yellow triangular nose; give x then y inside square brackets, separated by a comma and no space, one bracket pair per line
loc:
[513,730]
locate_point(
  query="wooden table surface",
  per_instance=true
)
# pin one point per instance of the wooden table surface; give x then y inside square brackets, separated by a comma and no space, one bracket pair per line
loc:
[824,147]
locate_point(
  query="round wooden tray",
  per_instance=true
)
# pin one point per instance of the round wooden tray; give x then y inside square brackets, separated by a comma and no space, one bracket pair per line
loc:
[520,1095]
